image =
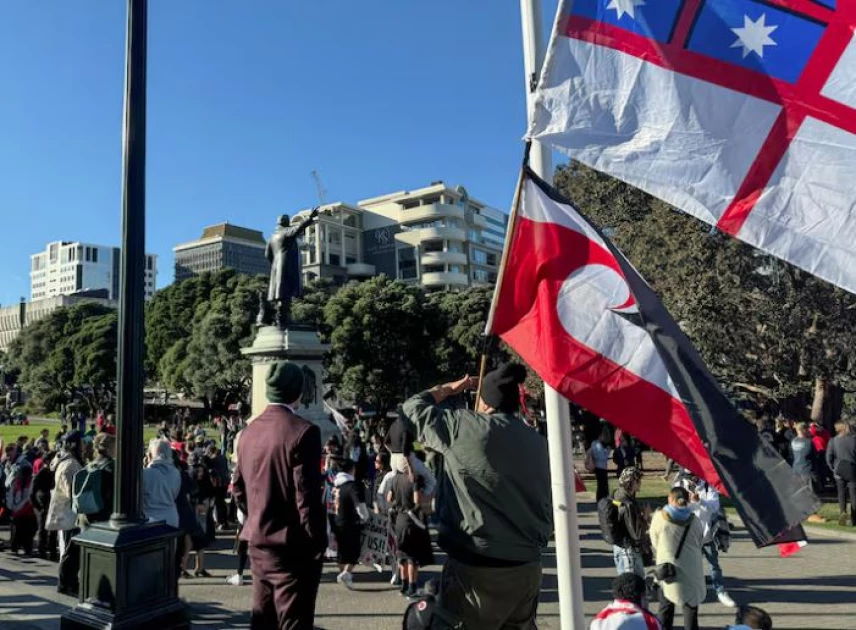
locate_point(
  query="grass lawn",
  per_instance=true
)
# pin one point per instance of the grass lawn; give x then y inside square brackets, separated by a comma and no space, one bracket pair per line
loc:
[654,491]
[11,433]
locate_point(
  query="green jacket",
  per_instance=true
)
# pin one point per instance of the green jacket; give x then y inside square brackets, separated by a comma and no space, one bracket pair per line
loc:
[494,493]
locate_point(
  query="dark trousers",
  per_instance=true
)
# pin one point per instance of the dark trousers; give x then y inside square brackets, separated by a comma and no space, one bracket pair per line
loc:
[69,565]
[243,552]
[221,515]
[488,598]
[667,614]
[284,591]
[23,532]
[47,540]
[844,487]
[602,478]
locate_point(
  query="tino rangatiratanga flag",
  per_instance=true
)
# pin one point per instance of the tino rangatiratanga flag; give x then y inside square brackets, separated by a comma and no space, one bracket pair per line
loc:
[578,312]
[741,113]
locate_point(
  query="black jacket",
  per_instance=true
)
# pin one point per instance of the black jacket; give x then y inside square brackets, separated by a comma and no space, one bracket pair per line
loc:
[635,525]
[841,456]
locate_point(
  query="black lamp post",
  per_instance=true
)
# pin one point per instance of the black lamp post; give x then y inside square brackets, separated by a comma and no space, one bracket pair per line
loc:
[128,576]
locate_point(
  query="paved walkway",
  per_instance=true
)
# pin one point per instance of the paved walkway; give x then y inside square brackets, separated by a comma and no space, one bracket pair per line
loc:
[816,589]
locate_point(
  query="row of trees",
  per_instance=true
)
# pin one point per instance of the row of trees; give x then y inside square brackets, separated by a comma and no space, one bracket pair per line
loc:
[68,356]
[768,331]
[388,339]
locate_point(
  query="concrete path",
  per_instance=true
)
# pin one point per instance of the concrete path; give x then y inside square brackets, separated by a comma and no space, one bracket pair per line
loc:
[814,590]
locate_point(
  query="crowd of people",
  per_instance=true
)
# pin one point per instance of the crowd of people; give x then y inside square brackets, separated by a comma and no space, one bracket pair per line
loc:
[479,477]
[54,488]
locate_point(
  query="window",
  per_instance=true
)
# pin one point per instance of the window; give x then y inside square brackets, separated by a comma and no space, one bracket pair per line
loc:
[407,263]
[350,243]
[432,246]
[335,260]
[350,260]
[351,220]
[407,205]
[334,237]
[433,269]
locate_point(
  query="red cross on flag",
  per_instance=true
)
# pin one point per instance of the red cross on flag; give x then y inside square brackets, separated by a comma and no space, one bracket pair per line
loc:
[581,316]
[741,113]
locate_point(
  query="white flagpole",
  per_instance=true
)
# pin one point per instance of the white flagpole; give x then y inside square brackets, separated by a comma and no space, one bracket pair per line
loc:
[566,523]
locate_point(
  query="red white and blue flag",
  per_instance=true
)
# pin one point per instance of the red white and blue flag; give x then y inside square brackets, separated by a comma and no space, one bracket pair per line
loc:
[581,316]
[741,113]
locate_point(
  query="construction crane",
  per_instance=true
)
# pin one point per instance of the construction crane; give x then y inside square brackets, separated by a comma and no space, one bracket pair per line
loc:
[319,187]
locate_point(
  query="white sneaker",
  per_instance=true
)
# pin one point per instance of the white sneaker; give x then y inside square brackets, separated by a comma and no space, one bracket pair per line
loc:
[235,580]
[395,580]
[346,579]
[726,600]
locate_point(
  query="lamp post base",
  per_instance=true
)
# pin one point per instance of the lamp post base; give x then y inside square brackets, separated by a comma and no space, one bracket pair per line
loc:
[128,579]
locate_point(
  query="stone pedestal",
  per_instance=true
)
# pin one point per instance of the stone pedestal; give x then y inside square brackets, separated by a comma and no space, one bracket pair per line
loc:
[128,579]
[300,345]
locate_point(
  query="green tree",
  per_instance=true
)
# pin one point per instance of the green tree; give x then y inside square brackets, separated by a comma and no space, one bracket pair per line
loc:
[207,364]
[309,309]
[172,313]
[68,356]
[380,344]
[457,323]
[93,351]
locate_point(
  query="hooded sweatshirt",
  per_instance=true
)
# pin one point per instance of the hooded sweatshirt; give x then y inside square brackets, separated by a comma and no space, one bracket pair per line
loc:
[161,485]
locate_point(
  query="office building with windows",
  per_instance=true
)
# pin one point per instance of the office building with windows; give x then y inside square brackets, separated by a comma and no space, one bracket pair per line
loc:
[222,246]
[65,268]
[332,247]
[438,237]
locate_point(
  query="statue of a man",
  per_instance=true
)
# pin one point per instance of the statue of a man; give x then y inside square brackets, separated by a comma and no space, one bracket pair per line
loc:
[286,279]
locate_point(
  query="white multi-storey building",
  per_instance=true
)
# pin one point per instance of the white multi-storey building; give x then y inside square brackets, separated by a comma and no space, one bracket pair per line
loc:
[333,245]
[65,268]
[438,236]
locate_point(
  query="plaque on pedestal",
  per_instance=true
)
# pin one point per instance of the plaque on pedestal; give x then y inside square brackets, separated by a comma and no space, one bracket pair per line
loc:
[297,344]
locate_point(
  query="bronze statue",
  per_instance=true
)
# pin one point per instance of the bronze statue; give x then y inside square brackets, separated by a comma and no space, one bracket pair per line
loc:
[286,279]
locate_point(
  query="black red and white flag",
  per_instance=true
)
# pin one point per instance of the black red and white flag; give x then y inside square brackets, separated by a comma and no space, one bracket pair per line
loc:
[578,312]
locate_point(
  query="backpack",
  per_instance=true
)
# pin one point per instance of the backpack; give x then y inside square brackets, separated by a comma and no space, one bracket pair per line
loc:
[420,615]
[609,518]
[87,497]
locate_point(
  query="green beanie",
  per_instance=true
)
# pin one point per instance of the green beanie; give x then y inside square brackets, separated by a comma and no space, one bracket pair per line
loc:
[284,383]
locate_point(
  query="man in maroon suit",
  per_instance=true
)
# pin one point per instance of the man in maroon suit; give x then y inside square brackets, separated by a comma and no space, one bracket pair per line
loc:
[277,484]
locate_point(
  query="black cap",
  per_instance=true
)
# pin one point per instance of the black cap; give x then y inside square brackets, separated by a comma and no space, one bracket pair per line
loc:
[72,437]
[501,388]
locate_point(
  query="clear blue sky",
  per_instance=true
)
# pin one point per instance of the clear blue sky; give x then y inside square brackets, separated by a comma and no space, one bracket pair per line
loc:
[245,99]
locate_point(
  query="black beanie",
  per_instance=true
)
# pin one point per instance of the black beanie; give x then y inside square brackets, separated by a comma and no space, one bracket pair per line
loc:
[501,388]
[284,383]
